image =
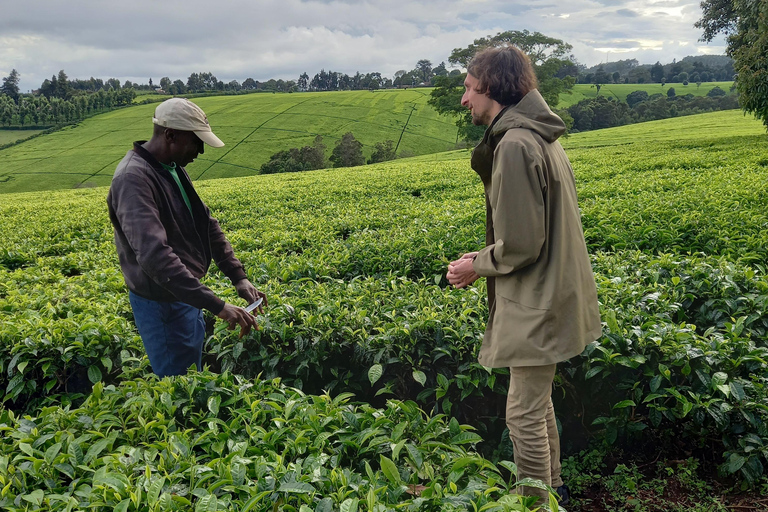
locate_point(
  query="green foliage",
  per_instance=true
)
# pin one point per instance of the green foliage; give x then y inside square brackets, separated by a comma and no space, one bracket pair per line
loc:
[348,152]
[218,442]
[746,25]
[10,85]
[604,112]
[636,97]
[622,91]
[383,152]
[307,158]
[715,92]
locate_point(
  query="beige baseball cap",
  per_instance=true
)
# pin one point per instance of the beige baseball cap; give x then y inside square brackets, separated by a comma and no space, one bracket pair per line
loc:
[182,114]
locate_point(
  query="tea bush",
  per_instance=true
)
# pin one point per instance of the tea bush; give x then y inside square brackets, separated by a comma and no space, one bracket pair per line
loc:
[218,442]
[353,265]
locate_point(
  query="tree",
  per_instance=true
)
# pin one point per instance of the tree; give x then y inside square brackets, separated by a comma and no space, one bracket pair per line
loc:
[745,23]
[549,56]
[671,92]
[424,67]
[165,83]
[600,78]
[715,92]
[11,85]
[195,82]
[657,72]
[62,85]
[297,159]
[303,82]
[348,152]
[636,97]
[382,152]
[640,75]
[440,70]
[177,87]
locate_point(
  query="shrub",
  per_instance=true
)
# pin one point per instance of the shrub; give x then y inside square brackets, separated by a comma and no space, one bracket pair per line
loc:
[715,92]
[348,152]
[307,158]
[212,442]
[382,152]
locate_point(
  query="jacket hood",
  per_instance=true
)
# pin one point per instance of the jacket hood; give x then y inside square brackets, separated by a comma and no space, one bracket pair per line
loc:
[533,113]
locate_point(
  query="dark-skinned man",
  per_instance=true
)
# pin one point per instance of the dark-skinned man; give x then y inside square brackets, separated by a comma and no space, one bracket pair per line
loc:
[542,297]
[166,238]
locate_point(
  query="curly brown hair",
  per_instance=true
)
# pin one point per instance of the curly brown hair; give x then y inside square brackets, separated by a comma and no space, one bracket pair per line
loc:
[505,73]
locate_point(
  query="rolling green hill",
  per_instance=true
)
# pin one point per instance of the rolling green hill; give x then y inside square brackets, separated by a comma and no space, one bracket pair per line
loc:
[253,126]
[709,126]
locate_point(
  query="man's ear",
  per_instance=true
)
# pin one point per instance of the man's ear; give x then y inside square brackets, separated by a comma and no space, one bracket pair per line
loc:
[169,134]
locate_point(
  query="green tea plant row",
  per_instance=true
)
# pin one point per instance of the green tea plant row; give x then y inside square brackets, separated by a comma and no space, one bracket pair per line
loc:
[682,197]
[209,442]
[683,354]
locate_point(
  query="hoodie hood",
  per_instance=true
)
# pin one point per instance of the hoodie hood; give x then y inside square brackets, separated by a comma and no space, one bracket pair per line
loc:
[533,113]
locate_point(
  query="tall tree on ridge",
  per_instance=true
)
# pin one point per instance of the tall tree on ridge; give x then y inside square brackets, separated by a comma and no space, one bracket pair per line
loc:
[745,23]
[11,85]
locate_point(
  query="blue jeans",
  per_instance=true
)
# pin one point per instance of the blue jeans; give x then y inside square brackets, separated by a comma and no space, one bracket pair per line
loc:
[172,332]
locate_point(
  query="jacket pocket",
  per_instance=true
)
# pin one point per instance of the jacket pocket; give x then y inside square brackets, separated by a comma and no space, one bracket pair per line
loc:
[516,288]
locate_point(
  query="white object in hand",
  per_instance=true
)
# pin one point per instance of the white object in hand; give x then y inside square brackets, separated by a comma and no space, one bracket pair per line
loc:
[254,305]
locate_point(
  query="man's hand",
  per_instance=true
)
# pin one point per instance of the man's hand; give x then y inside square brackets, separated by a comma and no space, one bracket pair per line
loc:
[247,291]
[238,316]
[461,273]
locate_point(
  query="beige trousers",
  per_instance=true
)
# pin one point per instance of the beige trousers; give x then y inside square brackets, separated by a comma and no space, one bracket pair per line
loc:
[532,427]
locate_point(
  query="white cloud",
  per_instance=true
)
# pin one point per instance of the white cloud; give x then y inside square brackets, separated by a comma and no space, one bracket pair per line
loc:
[236,39]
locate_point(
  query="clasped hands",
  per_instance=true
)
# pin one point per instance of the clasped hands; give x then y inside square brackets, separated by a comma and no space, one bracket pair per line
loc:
[461,273]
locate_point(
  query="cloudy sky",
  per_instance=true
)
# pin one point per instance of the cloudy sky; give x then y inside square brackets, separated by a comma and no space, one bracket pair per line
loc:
[236,39]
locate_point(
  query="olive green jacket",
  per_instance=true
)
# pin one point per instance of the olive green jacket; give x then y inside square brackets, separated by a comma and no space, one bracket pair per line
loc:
[542,297]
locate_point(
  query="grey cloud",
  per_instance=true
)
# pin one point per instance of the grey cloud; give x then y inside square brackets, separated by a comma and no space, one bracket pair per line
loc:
[236,39]
[627,13]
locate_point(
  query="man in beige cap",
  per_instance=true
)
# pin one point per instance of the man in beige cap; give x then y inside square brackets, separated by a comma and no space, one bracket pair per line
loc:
[166,239]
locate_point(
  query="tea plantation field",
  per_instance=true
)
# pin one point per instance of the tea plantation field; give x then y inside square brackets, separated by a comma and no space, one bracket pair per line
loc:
[319,409]
[9,136]
[253,127]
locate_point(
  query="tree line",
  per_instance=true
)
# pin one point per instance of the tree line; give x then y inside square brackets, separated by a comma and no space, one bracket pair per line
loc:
[692,69]
[604,112]
[44,111]
[348,152]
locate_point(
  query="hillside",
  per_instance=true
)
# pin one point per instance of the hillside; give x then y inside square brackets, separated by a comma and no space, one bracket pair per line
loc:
[253,126]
